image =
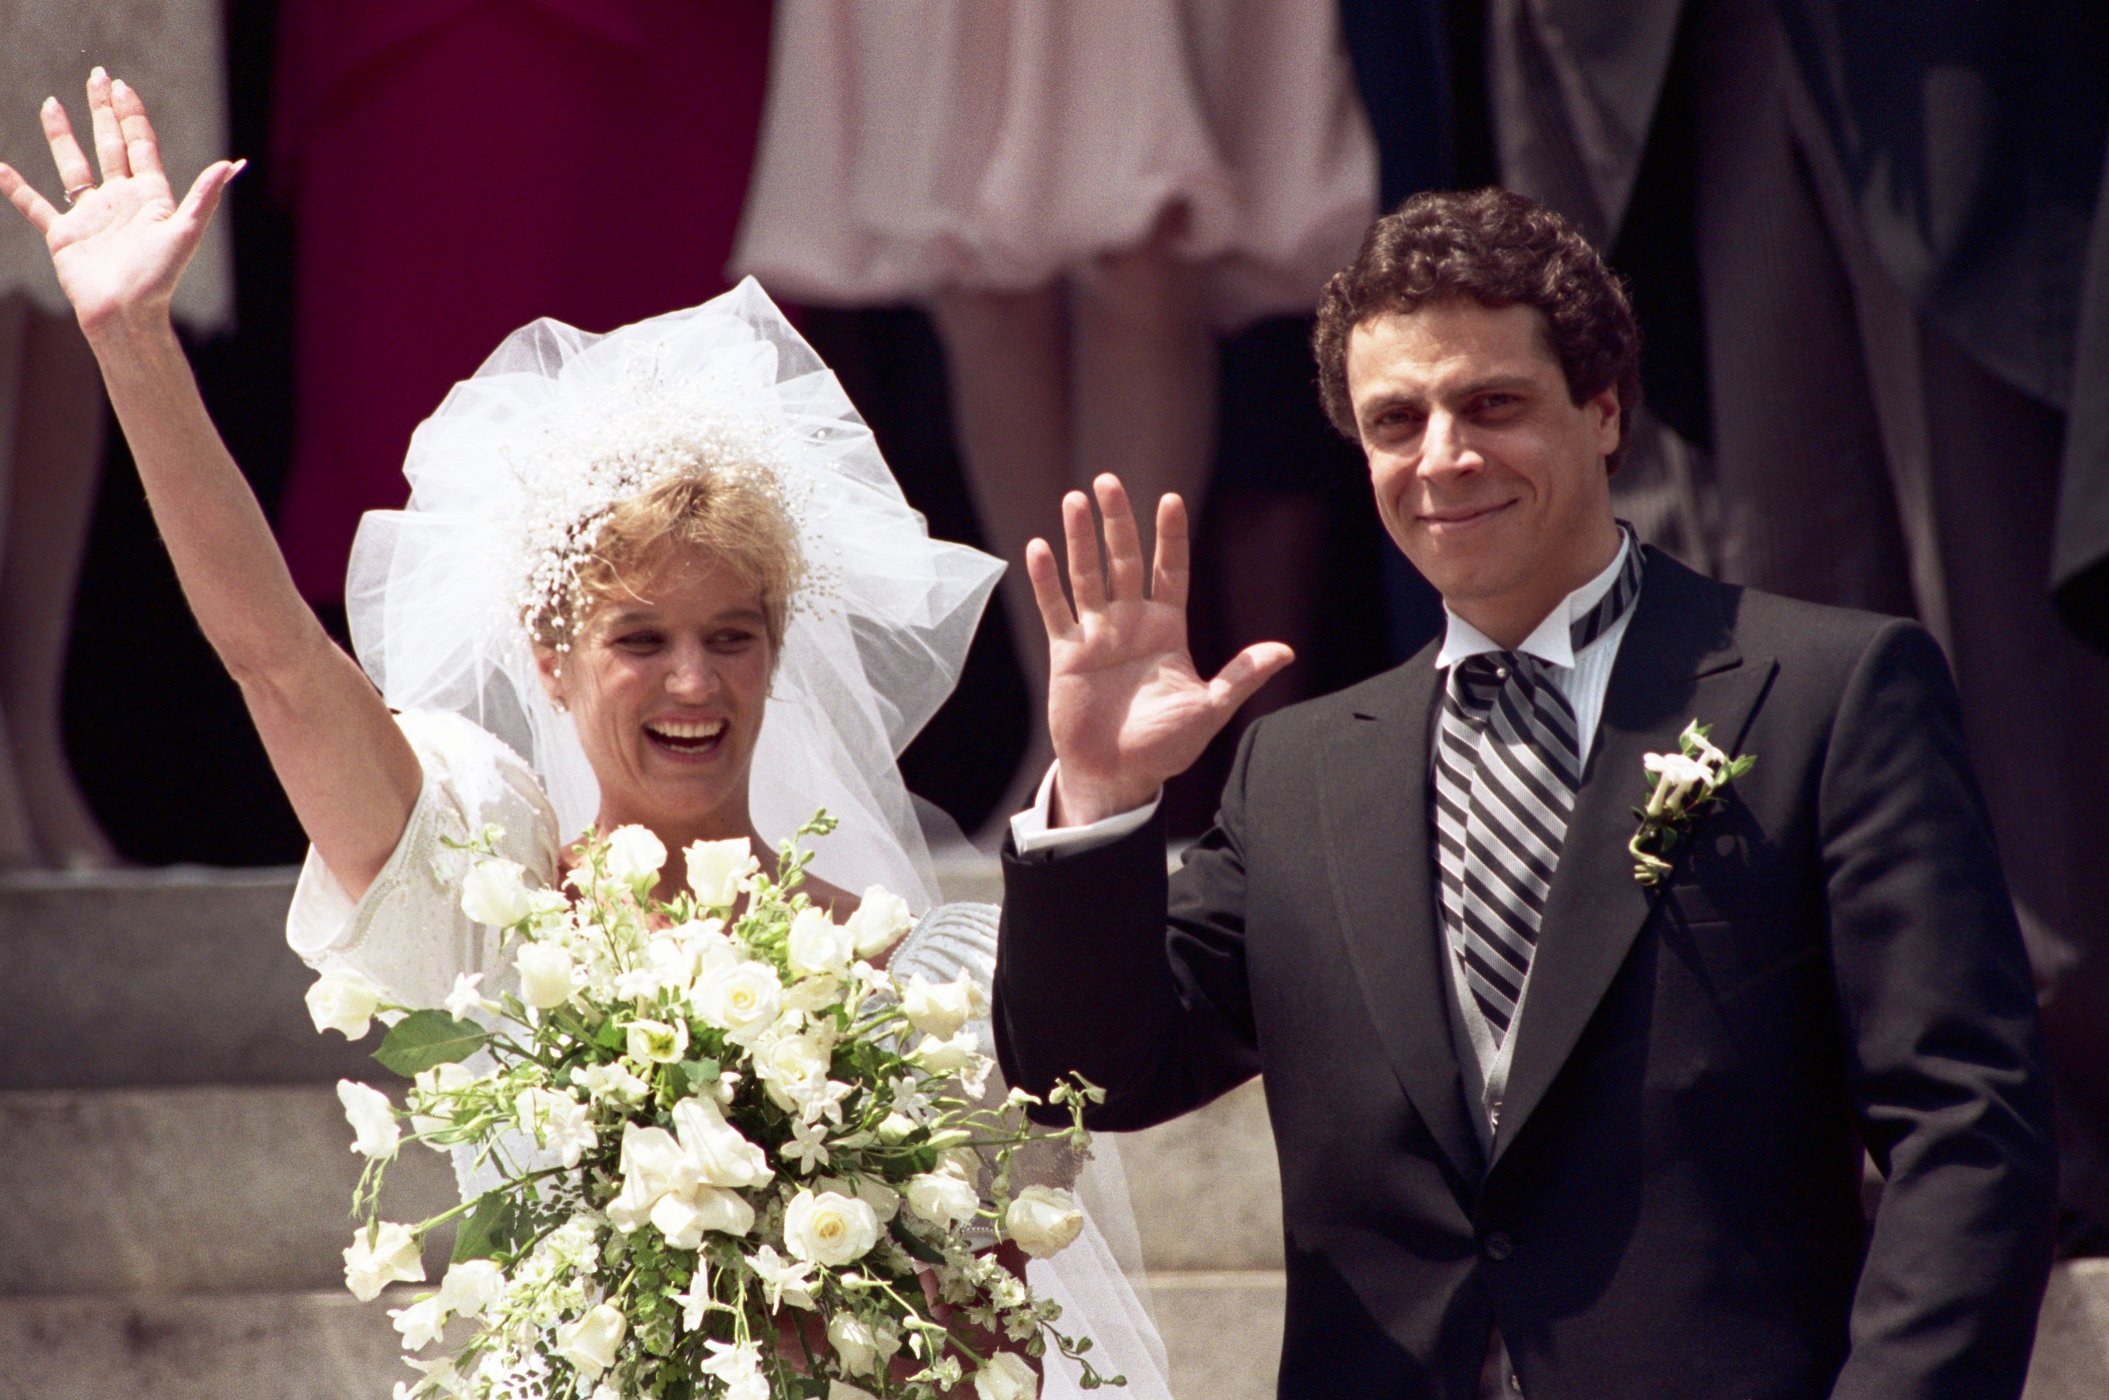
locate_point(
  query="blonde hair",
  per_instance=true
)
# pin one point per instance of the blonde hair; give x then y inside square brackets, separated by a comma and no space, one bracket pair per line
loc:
[736,517]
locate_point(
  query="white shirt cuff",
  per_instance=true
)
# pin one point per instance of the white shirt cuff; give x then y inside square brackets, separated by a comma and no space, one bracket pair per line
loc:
[1030,831]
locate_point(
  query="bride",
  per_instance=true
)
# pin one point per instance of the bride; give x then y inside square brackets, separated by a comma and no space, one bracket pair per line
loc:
[658,577]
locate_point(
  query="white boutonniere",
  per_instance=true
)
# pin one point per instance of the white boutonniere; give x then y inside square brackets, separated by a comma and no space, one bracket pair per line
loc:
[1684,784]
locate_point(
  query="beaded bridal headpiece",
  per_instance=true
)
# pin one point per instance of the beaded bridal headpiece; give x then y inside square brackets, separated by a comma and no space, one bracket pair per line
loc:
[512,478]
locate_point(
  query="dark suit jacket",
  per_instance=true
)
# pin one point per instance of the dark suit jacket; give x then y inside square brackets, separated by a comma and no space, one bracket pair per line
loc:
[1672,1207]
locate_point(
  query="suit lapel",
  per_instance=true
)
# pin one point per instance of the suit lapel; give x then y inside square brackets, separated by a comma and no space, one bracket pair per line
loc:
[1678,662]
[1378,847]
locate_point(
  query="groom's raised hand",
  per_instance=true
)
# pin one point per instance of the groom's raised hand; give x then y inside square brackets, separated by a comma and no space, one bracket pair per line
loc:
[1125,707]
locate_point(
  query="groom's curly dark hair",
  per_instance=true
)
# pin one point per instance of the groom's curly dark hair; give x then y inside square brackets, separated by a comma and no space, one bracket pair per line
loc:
[1498,249]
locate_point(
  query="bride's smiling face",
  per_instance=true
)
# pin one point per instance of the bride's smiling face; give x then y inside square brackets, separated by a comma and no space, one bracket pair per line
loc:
[666,682]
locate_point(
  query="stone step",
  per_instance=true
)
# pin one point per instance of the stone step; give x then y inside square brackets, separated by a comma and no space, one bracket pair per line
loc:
[183,976]
[249,1187]
[220,1346]
[188,1189]
[1222,1332]
[1206,1189]
[162,977]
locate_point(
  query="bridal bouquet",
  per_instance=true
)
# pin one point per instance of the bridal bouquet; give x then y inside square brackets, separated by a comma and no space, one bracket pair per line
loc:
[727,1156]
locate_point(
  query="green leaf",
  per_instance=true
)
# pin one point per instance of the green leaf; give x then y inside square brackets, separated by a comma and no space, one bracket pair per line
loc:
[492,1226]
[700,1072]
[427,1038]
[917,1248]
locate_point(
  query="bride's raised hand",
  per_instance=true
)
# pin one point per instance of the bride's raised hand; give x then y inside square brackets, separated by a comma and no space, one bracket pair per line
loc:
[1125,707]
[119,249]
[124,241]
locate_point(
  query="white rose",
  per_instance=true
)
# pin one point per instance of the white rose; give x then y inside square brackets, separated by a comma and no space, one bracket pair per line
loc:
[880,921]
[741,999]
[558,1121]
[656,1042]
[838,1390]
[545,974]
[589,1343]
[791,1065]
[828,1228]
[1043,1221]
[495,892]
[343,1002]
[421,1323]
[634,857]
[1006,1376]
[471,1286]
[372,1118]
[855,1343]
[718,871]
[941,1008]
[391,1255]
[818,946]
[943,1197]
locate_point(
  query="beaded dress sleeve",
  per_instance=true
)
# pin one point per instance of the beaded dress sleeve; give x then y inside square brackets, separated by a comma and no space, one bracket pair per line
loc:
[408,933]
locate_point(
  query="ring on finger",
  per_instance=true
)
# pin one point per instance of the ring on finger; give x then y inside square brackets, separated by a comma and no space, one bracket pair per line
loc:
[74,192]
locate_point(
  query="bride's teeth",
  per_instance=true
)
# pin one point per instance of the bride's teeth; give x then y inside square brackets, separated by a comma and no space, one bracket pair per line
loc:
[705,729]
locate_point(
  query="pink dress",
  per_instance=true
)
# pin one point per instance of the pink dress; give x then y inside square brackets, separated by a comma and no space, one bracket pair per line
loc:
[457,168]
[924,144]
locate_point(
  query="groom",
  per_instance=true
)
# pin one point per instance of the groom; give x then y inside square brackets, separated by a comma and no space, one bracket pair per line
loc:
[1544,1128]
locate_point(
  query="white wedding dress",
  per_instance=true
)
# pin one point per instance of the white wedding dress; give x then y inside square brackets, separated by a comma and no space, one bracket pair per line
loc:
[409,936]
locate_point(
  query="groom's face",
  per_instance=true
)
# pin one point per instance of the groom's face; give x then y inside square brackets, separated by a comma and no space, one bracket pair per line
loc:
[1486,472]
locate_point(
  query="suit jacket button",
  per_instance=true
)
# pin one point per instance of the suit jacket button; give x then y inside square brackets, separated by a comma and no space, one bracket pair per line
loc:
[1496,1244]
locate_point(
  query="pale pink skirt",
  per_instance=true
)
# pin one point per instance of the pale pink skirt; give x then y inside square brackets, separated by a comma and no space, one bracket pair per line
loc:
[919,145]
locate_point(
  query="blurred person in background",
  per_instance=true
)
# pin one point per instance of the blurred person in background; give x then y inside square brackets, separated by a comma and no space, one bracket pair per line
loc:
[51,401]
[593,160]
[1083,196]
[1871,258]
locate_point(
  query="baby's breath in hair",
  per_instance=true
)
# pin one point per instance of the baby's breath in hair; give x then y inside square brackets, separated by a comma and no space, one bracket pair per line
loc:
[655,472]
[736,516]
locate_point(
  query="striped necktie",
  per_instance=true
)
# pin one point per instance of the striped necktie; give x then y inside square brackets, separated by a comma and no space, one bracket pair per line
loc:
[1507,766]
